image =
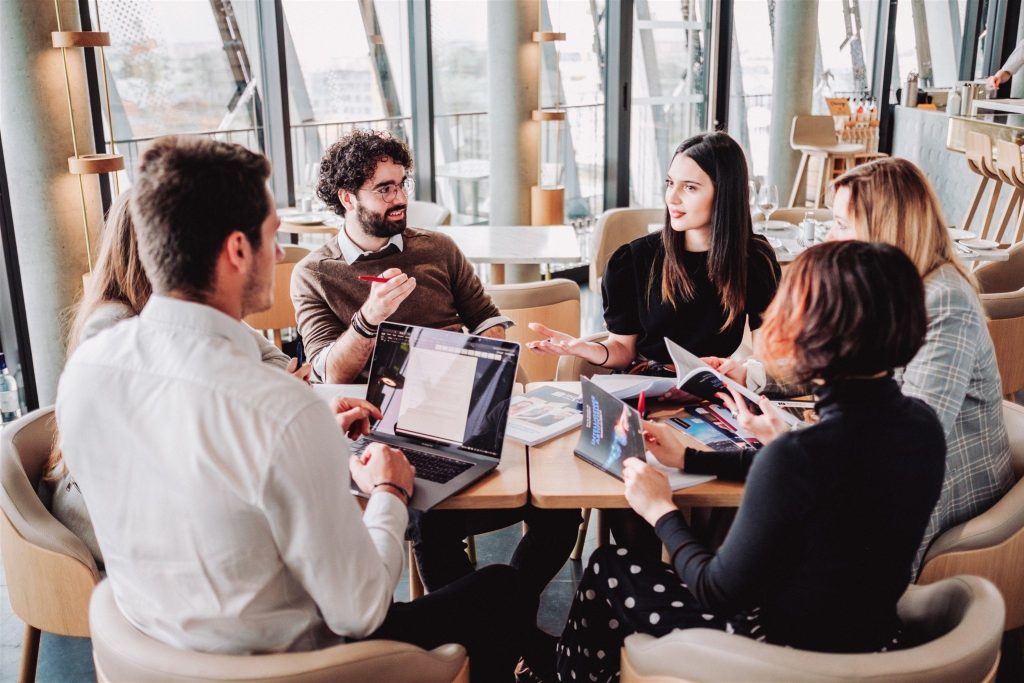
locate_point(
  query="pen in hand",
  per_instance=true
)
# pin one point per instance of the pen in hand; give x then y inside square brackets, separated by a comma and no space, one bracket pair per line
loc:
[373,278]
[641,405]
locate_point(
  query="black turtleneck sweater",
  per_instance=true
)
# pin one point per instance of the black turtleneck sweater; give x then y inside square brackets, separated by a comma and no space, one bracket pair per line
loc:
[831,518]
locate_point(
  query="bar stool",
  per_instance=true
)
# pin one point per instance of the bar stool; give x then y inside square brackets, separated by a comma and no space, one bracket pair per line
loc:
[815,136]
[1011,171]
[979,160]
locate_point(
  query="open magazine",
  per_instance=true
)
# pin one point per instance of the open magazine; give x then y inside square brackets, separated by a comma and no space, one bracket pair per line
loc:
[542,414]
[693,376]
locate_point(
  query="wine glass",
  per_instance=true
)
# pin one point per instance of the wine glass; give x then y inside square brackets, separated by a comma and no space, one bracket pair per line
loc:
[752,196]
[767,202]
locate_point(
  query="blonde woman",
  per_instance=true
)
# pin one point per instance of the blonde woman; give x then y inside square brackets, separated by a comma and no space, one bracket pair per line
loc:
[955,372]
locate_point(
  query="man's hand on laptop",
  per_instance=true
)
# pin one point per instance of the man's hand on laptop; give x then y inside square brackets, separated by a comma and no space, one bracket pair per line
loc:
[382,468]
[386,297]
[353,415]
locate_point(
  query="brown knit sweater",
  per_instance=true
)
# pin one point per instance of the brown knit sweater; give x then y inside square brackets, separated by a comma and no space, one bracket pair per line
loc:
[448,294]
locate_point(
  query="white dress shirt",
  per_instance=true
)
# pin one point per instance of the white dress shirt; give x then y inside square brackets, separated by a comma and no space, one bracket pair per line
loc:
[1015,61]
[219,489]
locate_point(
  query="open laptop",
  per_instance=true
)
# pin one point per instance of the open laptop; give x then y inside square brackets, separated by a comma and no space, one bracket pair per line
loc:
[445,398]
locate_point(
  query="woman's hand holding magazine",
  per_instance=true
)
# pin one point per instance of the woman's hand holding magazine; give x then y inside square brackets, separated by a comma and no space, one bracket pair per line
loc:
[647,490]
[766,426]
[665,443]
[730,367]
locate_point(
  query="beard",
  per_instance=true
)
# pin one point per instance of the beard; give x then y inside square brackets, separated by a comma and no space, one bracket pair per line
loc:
[257,292]
[378,224]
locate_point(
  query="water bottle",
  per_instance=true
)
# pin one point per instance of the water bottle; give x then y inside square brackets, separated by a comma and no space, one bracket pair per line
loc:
[10,404]
[807,229]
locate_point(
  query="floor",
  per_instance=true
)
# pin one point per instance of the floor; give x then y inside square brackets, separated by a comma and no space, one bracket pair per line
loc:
[70,659]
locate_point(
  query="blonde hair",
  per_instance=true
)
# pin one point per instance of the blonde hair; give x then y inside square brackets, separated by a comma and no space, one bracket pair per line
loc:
[892,202]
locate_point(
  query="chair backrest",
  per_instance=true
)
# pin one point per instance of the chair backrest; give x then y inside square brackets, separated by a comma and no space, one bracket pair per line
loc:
[1008,162]
[554,303]
[959,619]
[978,152]
[123,653]
[812,131]
[614,228]
[426,214]
[1006,326]
[996,277]
[281,314]
[992,544]
[571,368]
[795,214]
[50,571]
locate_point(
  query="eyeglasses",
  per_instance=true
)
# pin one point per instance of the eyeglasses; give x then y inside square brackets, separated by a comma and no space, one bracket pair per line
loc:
[389,192]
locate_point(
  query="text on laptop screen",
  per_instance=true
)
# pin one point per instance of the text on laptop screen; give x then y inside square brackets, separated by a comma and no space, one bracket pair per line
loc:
[442,388]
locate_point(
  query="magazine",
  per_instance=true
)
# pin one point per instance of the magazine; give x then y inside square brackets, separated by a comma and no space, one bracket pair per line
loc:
[626,387]
[542,414]
[612,432]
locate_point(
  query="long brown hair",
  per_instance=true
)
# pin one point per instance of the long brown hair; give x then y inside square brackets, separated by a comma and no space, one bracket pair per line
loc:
[892,201]
[722,159]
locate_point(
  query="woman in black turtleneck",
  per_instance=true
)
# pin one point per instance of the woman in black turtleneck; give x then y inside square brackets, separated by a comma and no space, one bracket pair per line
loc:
[823,542]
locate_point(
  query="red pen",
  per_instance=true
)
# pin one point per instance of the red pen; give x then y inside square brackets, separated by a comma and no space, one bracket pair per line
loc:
[373,278]
[641,405]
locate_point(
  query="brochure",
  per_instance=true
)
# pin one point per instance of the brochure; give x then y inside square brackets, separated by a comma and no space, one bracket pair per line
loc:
[542,414]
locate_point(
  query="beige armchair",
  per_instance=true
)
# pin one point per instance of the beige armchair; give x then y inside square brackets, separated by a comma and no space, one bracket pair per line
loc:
[123,653]
[795,214]
[50,572]
[281,315]
[992,544]
[554,303]
[1000,277]
[614,228]
[958,623]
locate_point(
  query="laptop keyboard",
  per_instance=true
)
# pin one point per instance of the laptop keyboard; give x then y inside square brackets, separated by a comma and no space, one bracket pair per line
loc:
[429,466]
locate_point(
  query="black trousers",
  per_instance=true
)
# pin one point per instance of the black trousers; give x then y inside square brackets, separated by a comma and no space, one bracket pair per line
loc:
[485,612]
[438,538]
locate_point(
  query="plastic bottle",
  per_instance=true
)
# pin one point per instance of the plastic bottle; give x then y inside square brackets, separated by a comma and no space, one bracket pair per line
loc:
[10,404]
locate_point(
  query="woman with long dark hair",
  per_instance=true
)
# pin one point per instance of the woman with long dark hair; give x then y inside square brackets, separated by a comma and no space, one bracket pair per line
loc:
[698,281]
[832,515]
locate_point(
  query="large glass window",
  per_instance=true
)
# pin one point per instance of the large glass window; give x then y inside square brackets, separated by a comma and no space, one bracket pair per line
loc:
[928,42]
[181,66]
[669,99]
[347,67]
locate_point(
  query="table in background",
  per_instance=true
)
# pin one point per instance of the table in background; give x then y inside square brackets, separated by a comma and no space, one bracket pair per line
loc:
[559,479]
[499,245]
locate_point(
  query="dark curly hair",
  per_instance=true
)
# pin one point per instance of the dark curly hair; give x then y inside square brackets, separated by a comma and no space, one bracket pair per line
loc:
[353,159]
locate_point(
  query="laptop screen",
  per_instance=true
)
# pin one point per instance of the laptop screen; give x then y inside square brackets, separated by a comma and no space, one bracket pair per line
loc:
[443,388]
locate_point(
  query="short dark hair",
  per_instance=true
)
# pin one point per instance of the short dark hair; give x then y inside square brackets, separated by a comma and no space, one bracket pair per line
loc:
[189,195]
[353,159]
[845,309]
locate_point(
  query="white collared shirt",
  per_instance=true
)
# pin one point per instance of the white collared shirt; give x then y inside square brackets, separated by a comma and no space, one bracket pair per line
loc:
[350,251]
[1015,61]
[219,489]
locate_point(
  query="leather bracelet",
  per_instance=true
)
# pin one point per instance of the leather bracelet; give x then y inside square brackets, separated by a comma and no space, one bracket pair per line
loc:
[363,328]
[607,354]
[400,489]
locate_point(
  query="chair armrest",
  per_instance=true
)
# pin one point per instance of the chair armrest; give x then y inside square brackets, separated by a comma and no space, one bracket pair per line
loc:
[992,527]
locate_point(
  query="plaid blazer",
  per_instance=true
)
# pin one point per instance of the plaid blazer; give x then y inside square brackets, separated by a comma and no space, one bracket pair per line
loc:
[955,373]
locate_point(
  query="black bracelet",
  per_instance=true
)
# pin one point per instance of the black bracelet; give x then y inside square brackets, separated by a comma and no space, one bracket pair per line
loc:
[607,354]
[400,489]
[363,328]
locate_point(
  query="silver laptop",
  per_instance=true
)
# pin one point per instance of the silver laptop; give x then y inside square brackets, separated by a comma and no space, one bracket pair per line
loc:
[445,399]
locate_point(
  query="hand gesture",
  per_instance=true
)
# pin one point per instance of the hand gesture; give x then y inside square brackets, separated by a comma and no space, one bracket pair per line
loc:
[386,297]
[302,372]
[647,490]
[665,442]
[766,426]
[380,463]
[729,367]
[557,343]
[353,415]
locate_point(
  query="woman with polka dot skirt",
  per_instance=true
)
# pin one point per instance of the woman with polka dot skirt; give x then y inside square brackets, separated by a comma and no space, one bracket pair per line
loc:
[822,546]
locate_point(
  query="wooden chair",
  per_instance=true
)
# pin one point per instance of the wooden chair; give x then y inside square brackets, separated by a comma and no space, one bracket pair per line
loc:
[555,303]
[50,572]
[123,653]
[992,544]
[795,214]
[614,228]
[979,159]
[956,628]
[1011,171]
[281,315]
[815,138]
[426,215]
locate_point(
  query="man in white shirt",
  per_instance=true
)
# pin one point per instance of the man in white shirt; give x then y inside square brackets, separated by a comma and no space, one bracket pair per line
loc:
[1012,65]
[217,485]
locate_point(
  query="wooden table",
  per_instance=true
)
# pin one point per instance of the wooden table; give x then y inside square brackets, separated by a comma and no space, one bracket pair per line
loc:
[505,487]
[503,244]
[559,479]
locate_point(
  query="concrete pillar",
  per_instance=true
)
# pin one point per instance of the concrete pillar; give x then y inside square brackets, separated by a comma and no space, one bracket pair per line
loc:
[513,63]
[796,35]
[46,202]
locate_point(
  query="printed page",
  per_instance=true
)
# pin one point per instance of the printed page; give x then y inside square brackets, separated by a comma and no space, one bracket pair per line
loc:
[677,479]
[436,396]
[630,386]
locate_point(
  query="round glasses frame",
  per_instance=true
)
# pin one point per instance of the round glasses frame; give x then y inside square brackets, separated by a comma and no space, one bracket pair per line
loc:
[389,192]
